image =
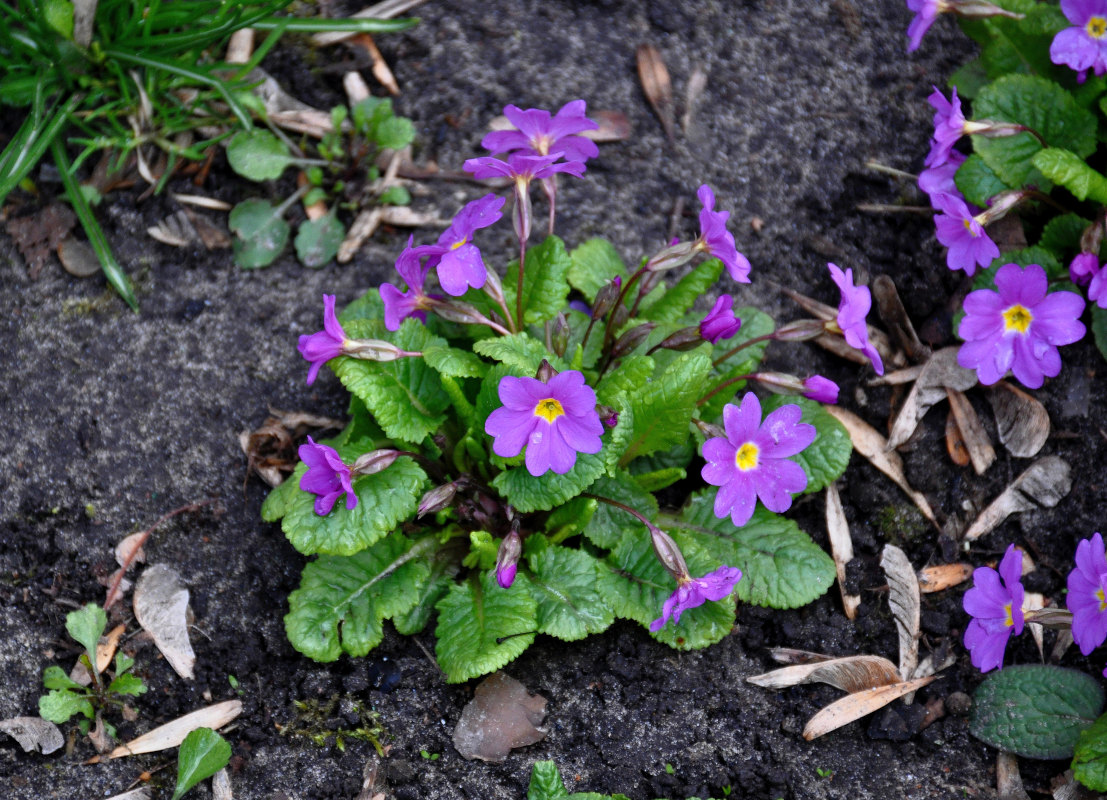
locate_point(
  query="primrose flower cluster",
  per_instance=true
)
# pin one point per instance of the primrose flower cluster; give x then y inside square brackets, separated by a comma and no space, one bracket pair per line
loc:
[510,426]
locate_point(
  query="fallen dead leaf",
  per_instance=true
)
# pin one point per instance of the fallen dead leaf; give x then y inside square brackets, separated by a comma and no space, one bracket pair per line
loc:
[841,547]
[1021,421]
[696,84]
[173,733]
[380,69]
[898,377]
[857,705]
[356,88]
[791,655]
[1042,485]
[129,550]
[869,443]
[972,431]
[36,235]
[943,576]
[161,608]
[270,448]
[657,86]
[943,658]
[78,258]
[956,448]
[141,793]
[1033,601]
[501,716]
[105,651]
[905,604]
[1062,643]
[221,786]
[99,735]
[895,319]
[1008,781]
[33,733]
[850,674]
[939,373]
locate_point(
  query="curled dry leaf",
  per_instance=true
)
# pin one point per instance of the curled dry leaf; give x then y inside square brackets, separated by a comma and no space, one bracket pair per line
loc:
[1042,485]
[173,733]
[895,319]
[99,736]
[1031,602]
[221,786]
[129,550]
[502,715]
[939,373]
[943,576]
[657,86]
[161,608]
[1008,781]
[904,601]
[790,655]
[37,234]
[1021,421]
[33,733]
[869,443]
[850,674]
[856,705]
[956,447]
[841,546]
[973,435]
[269,449]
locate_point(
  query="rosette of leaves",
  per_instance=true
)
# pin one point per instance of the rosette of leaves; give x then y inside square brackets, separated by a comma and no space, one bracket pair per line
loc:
[584,562]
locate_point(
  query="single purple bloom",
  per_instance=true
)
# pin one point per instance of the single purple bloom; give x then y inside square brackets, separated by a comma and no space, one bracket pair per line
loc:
[926,11]
[693,592]
[398,305]
[322,346]
[1083,268]
[1019,327]
[326,477]
[1097,288]
[820,389]
[949,126]
[716,239]
[538,134]
[1084,45]
[969,244]
[458,260]
[554,421]
[522,169]
[752,461]
[940,179]
[720,322]
[1086,599]
[852,309]
[995,605]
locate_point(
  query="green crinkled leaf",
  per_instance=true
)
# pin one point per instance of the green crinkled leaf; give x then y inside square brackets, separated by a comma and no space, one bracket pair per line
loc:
[977,181]
[374,118]
[86,625]
[385,499]
[969,79]
[405,396]
[203,753]
[342,600]
[1041,105]
[519,350]
[826,458]
[593,266]
[473,616]
[260,233]
[658,479]
[529,493]
[679,299]
[1061,235]
[442,573]
[318,240]
[54,677]
[1099,329]
[545,780]
[632,373]
[564,584]
[1069,170]
[663,408]
[59,705]
[127,684]
[258,155]
[636,586]
[455,363]
[368,307]
[1036,711]
[545,282]
[781,566]
[569,519]
[1089,763]
[609,524]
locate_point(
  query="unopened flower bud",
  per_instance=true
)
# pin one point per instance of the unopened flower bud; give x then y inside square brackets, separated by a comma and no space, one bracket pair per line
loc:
[631,339]
[493,287]
[1000,205]
[507,559]
[684,339]
[799,331]
[373,350]
[438,498]
[991,129]
[545,372]
[456,311]
[672,256]
[619,316]
[668,553]
[779,382]
[709,430]
[521,213]
[820,389]
[606,297]
[608,416]
[1092,237]
[977,9]
[373,462]
[559,338]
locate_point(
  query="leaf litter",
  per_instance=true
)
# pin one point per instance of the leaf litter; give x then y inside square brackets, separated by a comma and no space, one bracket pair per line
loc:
[1042,485]
[501,716]
[161,608]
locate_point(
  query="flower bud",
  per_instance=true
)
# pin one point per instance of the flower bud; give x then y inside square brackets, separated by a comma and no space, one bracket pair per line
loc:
[559,338]
[456,311]
[991,129]
[977,9]
[803,330]
[507,559]
[779,382]
[709,430]
[373,350]
[1000,205]
[608,416]
[521,213]
[1092,237]
[631,339]
[437,499]
[373,462]
[606,297]
[672,256]
[493,287]
[545,372]
[684,339]
[668,553]
[820,389]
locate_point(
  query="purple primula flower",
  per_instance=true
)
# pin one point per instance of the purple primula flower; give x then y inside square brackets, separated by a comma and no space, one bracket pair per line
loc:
[1084,45]
[398,305]
[458,260]
[940,180]
[720,322]
[322,346]
[926,11]
[326,476]
[522,169]
[692,592]
[956,227]
[507,559]
[820,389]
[1097,288]
[852,309]
[716,239]
[752,461]
[554,421]
[949,126]
[1083,268]
[1019,327]
[995,605]
[1086,599]
[538,134]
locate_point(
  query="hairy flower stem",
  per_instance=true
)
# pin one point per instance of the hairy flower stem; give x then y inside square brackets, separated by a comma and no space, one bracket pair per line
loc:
[519,324]
[723,385]
[619,505]
[768,337]
[609,328]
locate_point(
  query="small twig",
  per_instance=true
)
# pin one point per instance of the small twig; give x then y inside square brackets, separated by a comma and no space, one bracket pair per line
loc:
[883,208]
[876,166]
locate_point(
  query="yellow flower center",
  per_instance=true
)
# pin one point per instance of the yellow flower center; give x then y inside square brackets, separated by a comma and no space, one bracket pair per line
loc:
[1010,619]
[549,409]
[1017,318]
[746,456]
[1096,27]
[541,145]
[968,226]
[1101,598]
[460,243]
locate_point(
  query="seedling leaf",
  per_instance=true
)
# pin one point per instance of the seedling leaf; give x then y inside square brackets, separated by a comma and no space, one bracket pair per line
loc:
[258,155]
[87,625]
[318,240]
[1089,763]
[203,753]
[261,234]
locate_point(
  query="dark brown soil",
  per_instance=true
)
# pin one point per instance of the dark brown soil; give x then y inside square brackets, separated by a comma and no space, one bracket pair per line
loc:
[109,419]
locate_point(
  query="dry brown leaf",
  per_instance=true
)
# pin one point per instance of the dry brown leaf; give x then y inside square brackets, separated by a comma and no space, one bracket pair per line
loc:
[380,69]
[212,235]
[972,431]
[1042,485]
[99,736]
[1062,643]
[201,201]
[850,674]
[78,258]
[1008,781]
[36,235]
[790,655]
[657,86]
[943,576]
[869,443]
[175,230]
[841,547]
[1033,601]
[856,705]
[696,84]
[501,716]
[161,608]
[129,550]
[1021,421]
[356,88]
[895,319]
[33,733]
[365,224]
[171,734]
[141,793]
[939,373]
[897,377]
[221,786]
[905,604]
[955,443]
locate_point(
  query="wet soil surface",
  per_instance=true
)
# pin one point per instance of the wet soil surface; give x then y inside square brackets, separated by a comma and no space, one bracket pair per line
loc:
[109,419]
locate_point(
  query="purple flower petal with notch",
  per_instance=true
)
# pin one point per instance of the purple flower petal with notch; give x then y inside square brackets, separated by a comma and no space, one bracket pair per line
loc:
[720,322]
[995,605]
[458,261]
[326,477]
[522,168]
[926,11]
[717,240]
[853,307]
[949,126]
[940,180]
[1084,45]
[322,346]
[1097,288]
[398,305]
[1083,268]
[969,244]
[694,592]
[1086,598]
[539,134]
